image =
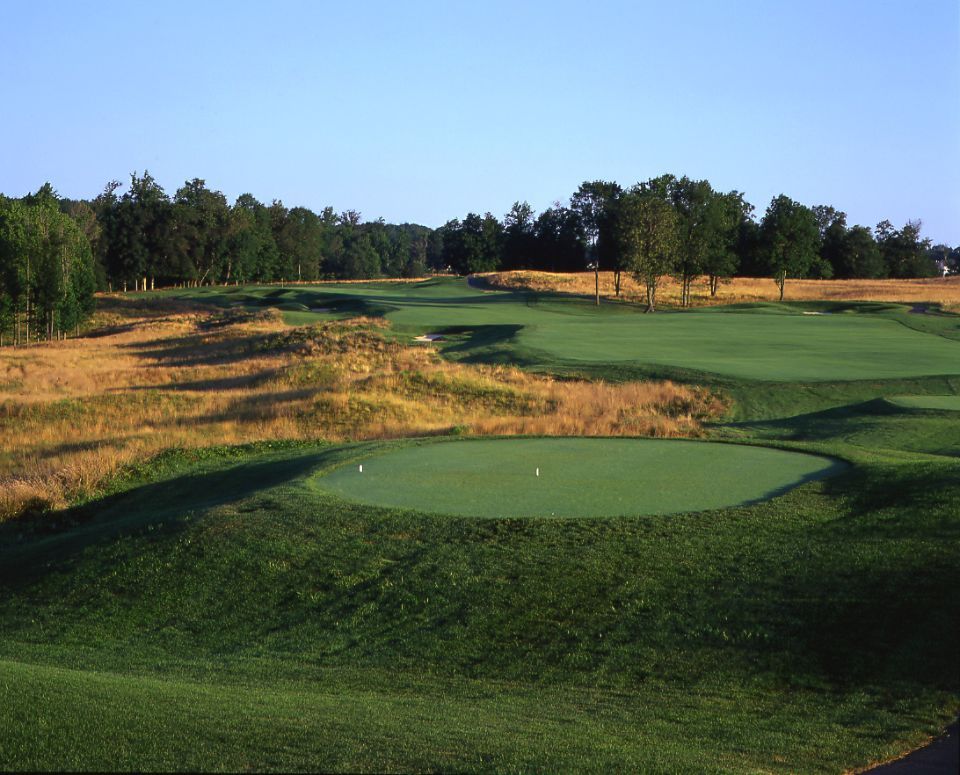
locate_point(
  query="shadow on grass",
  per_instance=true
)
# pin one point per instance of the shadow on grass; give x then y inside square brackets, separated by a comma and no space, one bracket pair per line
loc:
[876,425]
[493,345]
[239,382]
[892,622]
[31,546]
[192,350]
[867,599]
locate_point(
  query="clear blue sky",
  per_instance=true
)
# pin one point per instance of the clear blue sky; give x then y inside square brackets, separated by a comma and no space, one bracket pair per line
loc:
[423,111]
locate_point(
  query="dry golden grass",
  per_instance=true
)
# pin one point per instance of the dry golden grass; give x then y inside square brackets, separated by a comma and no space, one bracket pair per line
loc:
[945,291]
[155,377]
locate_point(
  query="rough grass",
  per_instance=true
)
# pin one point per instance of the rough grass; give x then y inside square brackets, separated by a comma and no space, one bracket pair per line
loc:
[941,291]
[148,379]
[228,615]
[216,610]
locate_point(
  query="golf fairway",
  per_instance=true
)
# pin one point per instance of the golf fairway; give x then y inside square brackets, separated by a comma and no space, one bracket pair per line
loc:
[578,477]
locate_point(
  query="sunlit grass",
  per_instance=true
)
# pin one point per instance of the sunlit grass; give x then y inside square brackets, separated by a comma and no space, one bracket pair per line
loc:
[158,377]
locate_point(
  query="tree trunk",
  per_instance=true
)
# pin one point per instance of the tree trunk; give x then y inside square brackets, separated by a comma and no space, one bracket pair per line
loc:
[781,281]
[714,283]
[616,282]
[596,282]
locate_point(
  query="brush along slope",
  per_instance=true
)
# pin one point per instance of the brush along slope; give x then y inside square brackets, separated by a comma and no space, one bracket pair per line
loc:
[156,377]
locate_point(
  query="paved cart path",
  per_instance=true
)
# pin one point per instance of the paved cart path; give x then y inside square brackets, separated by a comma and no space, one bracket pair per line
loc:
[941,757]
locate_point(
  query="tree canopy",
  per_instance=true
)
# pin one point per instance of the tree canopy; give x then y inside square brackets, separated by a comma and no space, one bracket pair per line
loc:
[54,252]
[649,236]
[790,237]
[47,276]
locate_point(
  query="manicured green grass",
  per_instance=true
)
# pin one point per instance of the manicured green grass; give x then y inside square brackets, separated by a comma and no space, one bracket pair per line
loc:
[783,347]
[222,610]
[942,403]
[99,720]
[233,614]
[775,342]
[556,477]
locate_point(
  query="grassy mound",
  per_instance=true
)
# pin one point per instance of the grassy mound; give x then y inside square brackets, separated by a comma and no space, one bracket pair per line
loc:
[233,614]
[936,403]
[573,477]
[220,610]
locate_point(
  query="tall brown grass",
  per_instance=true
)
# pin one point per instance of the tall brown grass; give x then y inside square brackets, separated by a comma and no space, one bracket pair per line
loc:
[154,377]
[944,291]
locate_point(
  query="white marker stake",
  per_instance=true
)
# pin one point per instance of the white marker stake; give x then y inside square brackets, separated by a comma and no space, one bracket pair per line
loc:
[361,468]
[538,472]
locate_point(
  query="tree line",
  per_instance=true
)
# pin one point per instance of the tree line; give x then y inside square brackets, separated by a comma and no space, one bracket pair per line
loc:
[55,252]
[684,228]
[47,270]
[145,238]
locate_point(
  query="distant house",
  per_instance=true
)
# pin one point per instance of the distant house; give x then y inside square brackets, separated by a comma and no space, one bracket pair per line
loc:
[942,266]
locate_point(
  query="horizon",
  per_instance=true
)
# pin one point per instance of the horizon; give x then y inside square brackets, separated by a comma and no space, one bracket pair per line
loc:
[425,113]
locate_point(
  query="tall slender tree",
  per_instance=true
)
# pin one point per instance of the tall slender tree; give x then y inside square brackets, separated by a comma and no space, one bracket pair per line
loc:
[648,230]
[594,202]
[790,238]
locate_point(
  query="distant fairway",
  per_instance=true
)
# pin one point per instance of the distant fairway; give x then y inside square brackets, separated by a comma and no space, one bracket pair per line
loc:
[579,477]
[779,347]
[770,342]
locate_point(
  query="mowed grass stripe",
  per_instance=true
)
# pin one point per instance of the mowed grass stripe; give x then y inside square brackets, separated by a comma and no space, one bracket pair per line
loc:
[66,719]
[577,477]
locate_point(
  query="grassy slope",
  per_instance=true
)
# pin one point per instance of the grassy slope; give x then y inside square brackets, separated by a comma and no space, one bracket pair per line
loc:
[231,615]
[806,629]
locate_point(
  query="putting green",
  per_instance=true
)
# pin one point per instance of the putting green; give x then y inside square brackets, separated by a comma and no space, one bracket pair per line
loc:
[578,477]
[949,403]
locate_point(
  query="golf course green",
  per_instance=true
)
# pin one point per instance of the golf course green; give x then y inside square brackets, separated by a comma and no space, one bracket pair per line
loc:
[572,477]
[724,605]
[773,342]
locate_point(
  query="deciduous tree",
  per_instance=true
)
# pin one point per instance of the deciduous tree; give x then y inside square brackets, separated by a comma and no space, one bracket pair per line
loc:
[648,231]
[790,238]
